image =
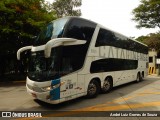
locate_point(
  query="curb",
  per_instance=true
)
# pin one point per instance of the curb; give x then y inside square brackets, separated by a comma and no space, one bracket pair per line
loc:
[153,76]
[19,81]
[12,83]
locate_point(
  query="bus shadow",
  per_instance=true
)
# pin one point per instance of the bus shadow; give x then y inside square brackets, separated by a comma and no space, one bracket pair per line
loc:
[60,106]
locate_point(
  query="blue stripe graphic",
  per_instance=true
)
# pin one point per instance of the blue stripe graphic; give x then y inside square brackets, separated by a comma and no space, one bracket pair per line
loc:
[55,93]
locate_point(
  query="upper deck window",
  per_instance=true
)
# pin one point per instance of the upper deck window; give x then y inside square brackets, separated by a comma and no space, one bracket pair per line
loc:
[52,30]
[109,38]
[66,27]
[80,29]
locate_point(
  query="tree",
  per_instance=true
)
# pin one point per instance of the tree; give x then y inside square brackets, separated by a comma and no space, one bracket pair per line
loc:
[142,38]
[67,7]
[152,40]
[20,20]
[147,14]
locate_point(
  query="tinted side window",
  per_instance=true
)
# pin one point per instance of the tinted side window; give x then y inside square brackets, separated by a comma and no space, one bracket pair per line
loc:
[150,59]
[111,64]
[105,37]
[72,58]
[121,41]
[80,29]
[109,38]
[134,46]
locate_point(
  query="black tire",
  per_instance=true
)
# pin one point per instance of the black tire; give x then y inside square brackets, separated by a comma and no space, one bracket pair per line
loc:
[139,78]
[142,76]
[107,85]
[93,89]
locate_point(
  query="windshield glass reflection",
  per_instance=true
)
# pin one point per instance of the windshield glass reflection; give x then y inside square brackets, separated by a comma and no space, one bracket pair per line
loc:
[52,30]
[41,68]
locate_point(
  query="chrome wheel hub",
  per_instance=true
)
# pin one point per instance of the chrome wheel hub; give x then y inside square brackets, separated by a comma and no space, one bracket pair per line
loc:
[106,85]
[92,89]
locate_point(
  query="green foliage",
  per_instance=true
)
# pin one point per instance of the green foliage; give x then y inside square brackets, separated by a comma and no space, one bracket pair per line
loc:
[152,40]
[142,38]
[20,20]
[67,7]
[24,17]
[147,14]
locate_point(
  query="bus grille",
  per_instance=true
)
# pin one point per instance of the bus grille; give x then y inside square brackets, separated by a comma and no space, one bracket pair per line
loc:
[34,88]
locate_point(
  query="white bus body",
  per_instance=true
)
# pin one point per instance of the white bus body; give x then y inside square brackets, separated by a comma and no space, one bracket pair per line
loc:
[74,57]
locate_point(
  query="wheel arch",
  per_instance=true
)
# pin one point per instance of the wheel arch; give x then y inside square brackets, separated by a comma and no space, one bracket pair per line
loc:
[96,79]
[111,78]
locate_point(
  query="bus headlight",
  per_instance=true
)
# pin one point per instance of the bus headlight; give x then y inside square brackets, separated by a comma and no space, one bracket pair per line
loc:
[48,88]
[55,86]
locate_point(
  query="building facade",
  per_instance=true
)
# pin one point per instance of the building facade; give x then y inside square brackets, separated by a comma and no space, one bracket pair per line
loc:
[154,63]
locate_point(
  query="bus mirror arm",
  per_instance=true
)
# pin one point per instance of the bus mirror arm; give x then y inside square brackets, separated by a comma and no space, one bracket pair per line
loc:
[60,42]
[22,50]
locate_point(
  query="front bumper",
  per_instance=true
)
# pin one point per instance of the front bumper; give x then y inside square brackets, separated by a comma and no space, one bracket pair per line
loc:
[42,96]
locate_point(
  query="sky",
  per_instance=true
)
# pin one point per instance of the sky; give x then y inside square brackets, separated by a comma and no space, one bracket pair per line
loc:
[114,14]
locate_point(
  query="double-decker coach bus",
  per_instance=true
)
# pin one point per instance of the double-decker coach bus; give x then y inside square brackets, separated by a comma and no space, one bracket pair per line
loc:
[75,57]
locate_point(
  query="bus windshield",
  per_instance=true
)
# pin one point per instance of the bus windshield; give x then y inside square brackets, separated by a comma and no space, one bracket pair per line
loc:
[41,68]
[53,30]
[63,60]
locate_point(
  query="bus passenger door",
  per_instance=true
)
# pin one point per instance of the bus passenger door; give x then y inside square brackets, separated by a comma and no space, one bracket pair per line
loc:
[80,85]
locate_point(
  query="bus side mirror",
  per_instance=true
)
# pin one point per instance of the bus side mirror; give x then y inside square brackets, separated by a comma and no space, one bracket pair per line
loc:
[22,50]
[60,42]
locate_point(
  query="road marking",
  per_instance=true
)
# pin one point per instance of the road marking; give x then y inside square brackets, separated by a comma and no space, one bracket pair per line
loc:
[105,108]
[157,93]
[121,107]
[110,106]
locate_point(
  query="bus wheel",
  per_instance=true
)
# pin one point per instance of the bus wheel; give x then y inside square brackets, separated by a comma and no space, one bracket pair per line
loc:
[142,76]
[107,85]
[138,78]
[93,89]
